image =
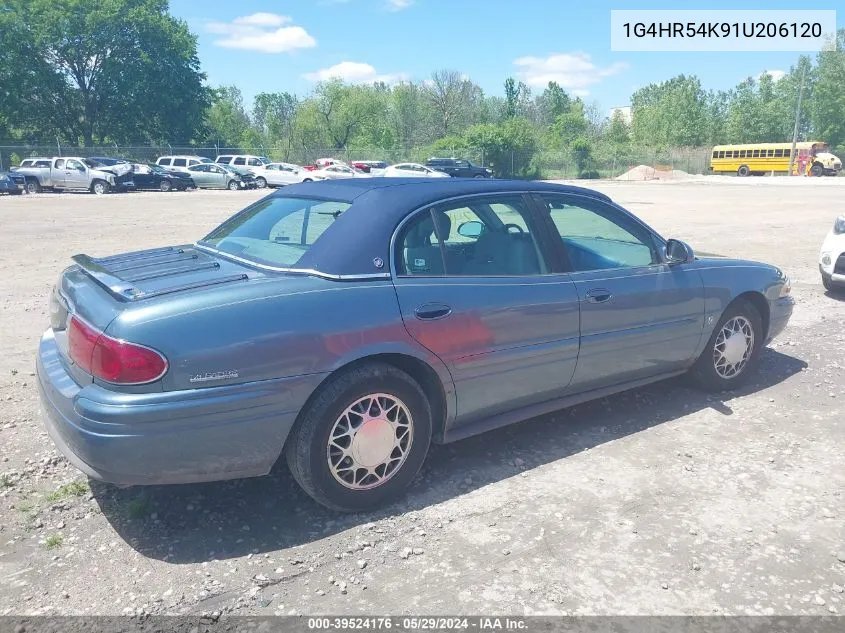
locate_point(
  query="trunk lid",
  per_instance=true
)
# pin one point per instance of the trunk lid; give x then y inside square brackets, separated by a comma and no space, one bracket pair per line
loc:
[99,289]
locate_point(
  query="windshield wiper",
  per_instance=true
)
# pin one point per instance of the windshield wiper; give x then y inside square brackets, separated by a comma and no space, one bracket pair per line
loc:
[334,214]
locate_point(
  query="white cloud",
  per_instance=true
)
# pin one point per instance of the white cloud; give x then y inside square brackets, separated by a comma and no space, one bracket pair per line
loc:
[777,75]
[398,5]
[263,19]
[354,73]
[264,32]
[572,71]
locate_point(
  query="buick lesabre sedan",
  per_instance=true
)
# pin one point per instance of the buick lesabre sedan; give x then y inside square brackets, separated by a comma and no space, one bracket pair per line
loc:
[345,325]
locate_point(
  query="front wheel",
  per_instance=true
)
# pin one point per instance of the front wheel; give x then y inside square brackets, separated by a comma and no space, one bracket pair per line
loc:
[165,185]
[362,440]
[743,171]
[307,180]
[100,187]
[733,349]
[817,170]
[233,185]
[33,186]
[261,182]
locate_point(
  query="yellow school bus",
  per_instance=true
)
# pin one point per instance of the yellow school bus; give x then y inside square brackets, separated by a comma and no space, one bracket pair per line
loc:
[757,159]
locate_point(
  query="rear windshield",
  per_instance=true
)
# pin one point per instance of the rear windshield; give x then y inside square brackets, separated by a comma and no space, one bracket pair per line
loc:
[276,231]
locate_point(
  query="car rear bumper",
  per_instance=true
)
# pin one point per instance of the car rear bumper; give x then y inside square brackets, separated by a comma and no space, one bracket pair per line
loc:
[194,435]
[780,312]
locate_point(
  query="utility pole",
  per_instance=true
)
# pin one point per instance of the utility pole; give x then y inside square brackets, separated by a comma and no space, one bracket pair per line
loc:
[797,120]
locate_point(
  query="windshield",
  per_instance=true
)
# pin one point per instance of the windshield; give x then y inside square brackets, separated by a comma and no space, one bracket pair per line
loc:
[276,231]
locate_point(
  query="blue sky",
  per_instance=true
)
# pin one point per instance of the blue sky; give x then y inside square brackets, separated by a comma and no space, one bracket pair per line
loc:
[287,45]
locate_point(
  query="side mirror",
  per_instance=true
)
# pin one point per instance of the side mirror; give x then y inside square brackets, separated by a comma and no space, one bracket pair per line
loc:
[678,252]
[473,229]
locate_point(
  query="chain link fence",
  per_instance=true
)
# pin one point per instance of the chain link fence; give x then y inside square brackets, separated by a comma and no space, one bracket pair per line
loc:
[547,164]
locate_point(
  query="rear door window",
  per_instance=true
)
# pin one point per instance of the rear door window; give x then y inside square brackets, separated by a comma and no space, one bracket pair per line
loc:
[180,162]
[164,161]
[239,161]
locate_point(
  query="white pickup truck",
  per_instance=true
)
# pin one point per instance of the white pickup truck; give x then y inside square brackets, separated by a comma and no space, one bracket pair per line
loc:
[65,173]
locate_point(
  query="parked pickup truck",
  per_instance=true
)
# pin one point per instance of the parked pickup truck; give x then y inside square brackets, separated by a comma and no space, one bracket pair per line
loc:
[68,173]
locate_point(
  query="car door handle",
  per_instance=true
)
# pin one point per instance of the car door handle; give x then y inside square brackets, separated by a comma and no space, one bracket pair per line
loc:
[599,295]
[431,311]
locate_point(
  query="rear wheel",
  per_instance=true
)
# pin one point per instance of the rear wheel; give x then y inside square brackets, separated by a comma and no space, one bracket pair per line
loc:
[817,170]
[165,185]
[261,182]
[743,171]
[233,185]
[33,186]
[732,351]
[362,440]
[307,180]
[100,187]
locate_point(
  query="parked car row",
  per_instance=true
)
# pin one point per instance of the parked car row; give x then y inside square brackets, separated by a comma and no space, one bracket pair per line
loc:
[101,174]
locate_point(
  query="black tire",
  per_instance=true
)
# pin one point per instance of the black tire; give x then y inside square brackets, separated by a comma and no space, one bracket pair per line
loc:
[33,186]
[165,186]
[743,171]
[479,176]
[99,187]
[307,445]
[817,170]
[233,185]
[704,374]
[827,283]
[307,180]
[261,182]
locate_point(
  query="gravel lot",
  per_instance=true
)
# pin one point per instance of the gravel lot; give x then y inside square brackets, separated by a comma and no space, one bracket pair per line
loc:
[657,501]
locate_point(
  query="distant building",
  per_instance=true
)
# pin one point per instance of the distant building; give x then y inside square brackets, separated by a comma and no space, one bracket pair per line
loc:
[626,113]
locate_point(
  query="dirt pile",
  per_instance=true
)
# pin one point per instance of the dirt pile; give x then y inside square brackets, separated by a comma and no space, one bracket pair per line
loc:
[644,172]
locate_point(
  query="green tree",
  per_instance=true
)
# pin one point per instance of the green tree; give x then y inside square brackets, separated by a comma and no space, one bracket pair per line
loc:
[106,70]
[273,114]
[552,103]
[511,98]
[509,146]
[570,125]
[581,152]
[344,110]
[618,133]
[227,120]
[827,106]
[670,113]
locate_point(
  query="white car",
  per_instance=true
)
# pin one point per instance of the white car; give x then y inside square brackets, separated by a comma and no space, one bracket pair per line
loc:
[832,257]
[281,174]
[413,170]
[334,172]
[181,162]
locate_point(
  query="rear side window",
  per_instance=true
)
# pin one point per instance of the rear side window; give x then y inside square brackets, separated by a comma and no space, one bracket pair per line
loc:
[224,160]
[239,160]
[180,162]
[276,231]
[60,164]
[480,237]
[163,161]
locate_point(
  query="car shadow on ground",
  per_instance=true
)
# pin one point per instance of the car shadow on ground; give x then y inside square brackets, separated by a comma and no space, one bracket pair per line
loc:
[836,295]
[202,522]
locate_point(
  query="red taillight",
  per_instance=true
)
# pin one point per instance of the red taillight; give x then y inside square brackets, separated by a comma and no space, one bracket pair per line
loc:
[110,359]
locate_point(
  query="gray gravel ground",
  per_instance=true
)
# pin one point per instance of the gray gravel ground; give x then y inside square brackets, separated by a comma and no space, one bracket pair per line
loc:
[658,501]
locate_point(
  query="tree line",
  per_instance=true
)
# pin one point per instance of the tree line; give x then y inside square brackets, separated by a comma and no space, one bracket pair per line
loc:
[126,72]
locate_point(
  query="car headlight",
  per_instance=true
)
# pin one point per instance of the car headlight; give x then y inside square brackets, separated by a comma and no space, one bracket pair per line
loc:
[839,225]
[826,259]
[786,288]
